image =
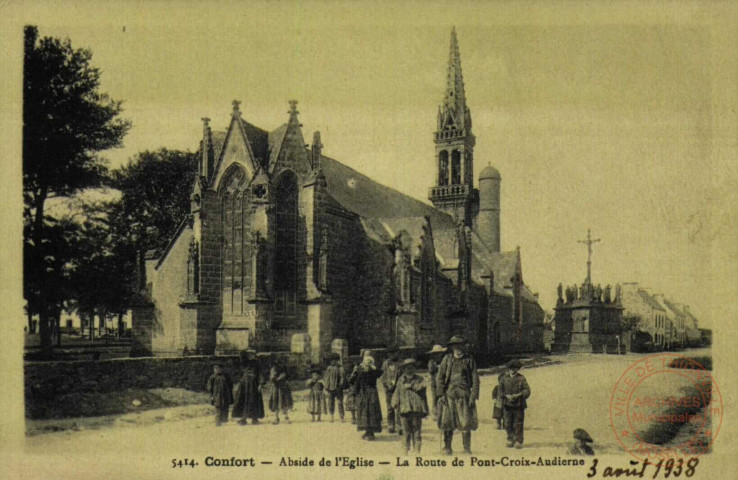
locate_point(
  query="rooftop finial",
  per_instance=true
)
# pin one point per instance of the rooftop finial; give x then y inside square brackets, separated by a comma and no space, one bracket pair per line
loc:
[205,122]
[293,107]
[236,106]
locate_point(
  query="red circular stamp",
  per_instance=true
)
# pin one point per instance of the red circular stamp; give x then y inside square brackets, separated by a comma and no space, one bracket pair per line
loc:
[666,405]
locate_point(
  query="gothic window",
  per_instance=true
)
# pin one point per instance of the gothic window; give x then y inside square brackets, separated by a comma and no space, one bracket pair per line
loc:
[455,167]
[227,253]
[443,167]
[234,220]
[285,253]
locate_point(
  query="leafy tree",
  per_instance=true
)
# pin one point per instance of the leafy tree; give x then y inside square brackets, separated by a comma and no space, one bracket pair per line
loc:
[66,122]
[155,191]
[631,322]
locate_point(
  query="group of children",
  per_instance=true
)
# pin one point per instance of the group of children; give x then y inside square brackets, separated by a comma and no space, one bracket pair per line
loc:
[357,394]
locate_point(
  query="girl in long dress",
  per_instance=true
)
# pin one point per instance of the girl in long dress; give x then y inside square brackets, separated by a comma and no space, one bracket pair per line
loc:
[249,402]
[280,396]
[368,410]
[316,399]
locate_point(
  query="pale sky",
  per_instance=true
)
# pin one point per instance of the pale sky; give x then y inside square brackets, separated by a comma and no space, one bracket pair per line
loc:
[593,118]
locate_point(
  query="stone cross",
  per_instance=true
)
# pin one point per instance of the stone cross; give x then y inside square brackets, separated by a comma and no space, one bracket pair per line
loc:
[589,243]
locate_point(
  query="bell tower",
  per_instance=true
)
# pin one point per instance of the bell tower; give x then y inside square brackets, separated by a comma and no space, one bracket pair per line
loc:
[454,190]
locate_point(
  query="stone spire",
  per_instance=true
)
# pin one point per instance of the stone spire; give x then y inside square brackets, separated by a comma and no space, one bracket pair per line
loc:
[454,101]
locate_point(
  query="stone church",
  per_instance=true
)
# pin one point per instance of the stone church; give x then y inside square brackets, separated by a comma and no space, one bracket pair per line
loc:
[288,249]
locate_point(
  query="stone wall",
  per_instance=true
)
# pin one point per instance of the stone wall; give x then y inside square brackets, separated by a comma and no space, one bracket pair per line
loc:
[46,380]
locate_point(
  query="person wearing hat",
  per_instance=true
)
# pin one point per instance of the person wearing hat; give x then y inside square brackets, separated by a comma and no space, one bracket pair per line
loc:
[457,387]
[391,369]
[514,391]
[411,404]
[249,402]
[335,380]
[435,354]
[581,439]
[220,388]
[368,409]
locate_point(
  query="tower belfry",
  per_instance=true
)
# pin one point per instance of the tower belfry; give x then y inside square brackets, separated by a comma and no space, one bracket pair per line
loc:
[454,191]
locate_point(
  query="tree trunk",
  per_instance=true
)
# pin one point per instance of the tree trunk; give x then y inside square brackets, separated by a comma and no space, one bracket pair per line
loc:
[57,324]
[121,330]
[38,236]
[91,324]
[45,333]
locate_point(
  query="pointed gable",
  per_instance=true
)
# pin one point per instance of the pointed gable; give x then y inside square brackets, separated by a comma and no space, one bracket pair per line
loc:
[289,152]
[241,142]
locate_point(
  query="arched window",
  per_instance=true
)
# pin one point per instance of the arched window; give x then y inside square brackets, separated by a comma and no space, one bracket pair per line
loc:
[455,167]
[285,253]
[234,222]
[443,167]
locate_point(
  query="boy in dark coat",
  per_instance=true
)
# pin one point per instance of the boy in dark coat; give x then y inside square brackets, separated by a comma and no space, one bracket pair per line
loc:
[514,390]
[334,379]
[391,372]
[411,404]
[220,387]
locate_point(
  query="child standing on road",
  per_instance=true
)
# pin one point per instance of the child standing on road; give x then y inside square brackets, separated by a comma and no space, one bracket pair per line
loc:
[497,403]
[350,395]
[316,400]
[410,402]
[220,387]
[280,396]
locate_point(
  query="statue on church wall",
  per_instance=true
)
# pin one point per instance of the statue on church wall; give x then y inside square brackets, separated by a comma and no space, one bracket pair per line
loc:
[323,262]
[193,269]
[608,291]
[597,293]
[259,265]
[559,292]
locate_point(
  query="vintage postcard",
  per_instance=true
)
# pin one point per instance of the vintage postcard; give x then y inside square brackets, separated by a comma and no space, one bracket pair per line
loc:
[281,239]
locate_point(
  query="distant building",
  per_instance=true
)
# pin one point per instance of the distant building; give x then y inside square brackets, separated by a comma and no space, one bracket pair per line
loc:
[668,324]
[638,301]
[676,333]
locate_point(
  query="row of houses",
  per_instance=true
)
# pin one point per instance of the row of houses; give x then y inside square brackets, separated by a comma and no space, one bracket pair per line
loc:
[664,324]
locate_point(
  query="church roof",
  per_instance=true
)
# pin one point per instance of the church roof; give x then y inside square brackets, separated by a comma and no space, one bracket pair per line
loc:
[385,212]
[370,199]
[489,172]
[218,139]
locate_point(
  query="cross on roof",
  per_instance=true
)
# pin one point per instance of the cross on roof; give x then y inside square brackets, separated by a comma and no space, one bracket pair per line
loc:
[236,104]
[293,107]
[589,242]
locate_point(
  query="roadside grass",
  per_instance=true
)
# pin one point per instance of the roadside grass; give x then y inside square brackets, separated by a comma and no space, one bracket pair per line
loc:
[704,361]
[677,416]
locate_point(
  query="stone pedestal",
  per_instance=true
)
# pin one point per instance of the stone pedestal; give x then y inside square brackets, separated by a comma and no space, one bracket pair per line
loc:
[341,347]
[320,329]
[143,318]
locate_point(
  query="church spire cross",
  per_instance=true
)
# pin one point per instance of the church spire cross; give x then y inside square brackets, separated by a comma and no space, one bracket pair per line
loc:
[589,242]
[293,107]
[236,106]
